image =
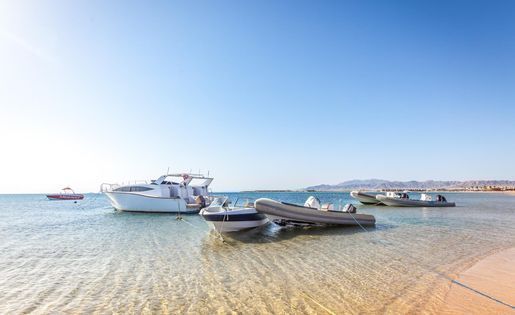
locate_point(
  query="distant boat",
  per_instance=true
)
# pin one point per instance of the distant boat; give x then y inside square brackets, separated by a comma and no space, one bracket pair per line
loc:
[424,201]
[66,194]
[364,198]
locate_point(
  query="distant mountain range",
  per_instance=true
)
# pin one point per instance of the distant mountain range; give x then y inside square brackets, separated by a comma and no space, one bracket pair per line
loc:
[378,184]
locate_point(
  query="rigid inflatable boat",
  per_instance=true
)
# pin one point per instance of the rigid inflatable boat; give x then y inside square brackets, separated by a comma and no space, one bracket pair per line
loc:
[284,213]
[364,198]
[424,201]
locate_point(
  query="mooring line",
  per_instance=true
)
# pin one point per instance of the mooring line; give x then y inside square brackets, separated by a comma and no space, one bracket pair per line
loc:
[483,294]
[317,303]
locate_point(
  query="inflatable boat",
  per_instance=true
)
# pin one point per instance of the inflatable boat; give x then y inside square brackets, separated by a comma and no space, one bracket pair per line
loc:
[364,198]
[283,213]
[424,201]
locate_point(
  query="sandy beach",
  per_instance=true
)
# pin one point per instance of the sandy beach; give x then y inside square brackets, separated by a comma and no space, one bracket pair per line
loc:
[488,287]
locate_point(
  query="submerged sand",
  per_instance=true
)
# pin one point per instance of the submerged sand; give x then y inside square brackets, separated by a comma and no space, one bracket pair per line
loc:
[488,287]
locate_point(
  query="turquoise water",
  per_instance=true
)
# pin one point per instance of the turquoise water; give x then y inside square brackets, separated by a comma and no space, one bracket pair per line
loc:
[60,256]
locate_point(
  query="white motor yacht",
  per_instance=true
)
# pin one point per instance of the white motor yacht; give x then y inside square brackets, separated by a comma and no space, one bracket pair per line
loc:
[175,193]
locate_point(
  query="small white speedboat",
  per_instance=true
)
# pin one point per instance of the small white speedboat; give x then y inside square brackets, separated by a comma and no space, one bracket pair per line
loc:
[364,198]
[424,201]
[311,213]
[223,218]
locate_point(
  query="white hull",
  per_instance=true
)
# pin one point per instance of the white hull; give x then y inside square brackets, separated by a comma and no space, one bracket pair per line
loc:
[228,226]
[365,198]
[231,219]
[126,201]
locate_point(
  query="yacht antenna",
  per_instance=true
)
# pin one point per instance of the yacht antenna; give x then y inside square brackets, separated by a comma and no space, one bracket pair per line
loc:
[168,170]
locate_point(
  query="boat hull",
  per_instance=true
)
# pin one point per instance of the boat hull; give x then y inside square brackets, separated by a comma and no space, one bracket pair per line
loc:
[234,223]
[299,214]
[364,198]
[125,201]
[398,202]
[65,197]
[233,220]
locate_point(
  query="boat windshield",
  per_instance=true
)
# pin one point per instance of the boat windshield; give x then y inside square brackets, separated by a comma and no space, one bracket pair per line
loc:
[247,202]
[219,201]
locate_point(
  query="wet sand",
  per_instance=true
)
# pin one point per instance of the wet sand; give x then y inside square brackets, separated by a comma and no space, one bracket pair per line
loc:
[494,280]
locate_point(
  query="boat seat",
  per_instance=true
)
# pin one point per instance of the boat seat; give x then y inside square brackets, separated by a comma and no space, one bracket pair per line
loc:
[327,207]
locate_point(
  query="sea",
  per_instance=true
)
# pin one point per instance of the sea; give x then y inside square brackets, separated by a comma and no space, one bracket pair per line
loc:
[85,257]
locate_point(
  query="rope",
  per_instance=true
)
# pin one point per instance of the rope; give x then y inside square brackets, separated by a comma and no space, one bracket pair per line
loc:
[358,222]
[222,226]
[179,216]
[317,303]
[483,294]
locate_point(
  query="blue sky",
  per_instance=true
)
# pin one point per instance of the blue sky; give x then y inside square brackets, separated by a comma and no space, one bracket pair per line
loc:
[264,94]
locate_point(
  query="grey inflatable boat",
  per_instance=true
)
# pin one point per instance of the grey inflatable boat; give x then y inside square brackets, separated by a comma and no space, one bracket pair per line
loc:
[282,212]
[366,199]
[424,201]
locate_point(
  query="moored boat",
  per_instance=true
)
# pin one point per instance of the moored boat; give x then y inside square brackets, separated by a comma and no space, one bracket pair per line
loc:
[224,218]
[311,213]
[364,198]
[170,193]
[424,201]
[66,194]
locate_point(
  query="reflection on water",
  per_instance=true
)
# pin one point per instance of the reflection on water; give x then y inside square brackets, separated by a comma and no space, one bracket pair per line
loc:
[85,257]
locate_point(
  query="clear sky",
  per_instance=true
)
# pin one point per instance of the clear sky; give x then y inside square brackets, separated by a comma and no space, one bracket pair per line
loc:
[264,94]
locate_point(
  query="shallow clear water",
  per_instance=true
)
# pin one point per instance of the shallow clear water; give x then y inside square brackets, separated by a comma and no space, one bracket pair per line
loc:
[86,257]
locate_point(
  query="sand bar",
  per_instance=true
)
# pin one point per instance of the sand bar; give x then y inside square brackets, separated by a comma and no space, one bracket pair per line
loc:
[493,279]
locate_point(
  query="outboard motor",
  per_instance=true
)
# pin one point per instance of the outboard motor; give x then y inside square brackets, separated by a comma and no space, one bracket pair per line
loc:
[349,208]
[200,200]
[312,202]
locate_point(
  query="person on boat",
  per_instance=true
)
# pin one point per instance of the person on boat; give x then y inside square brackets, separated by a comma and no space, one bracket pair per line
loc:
[440,198]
